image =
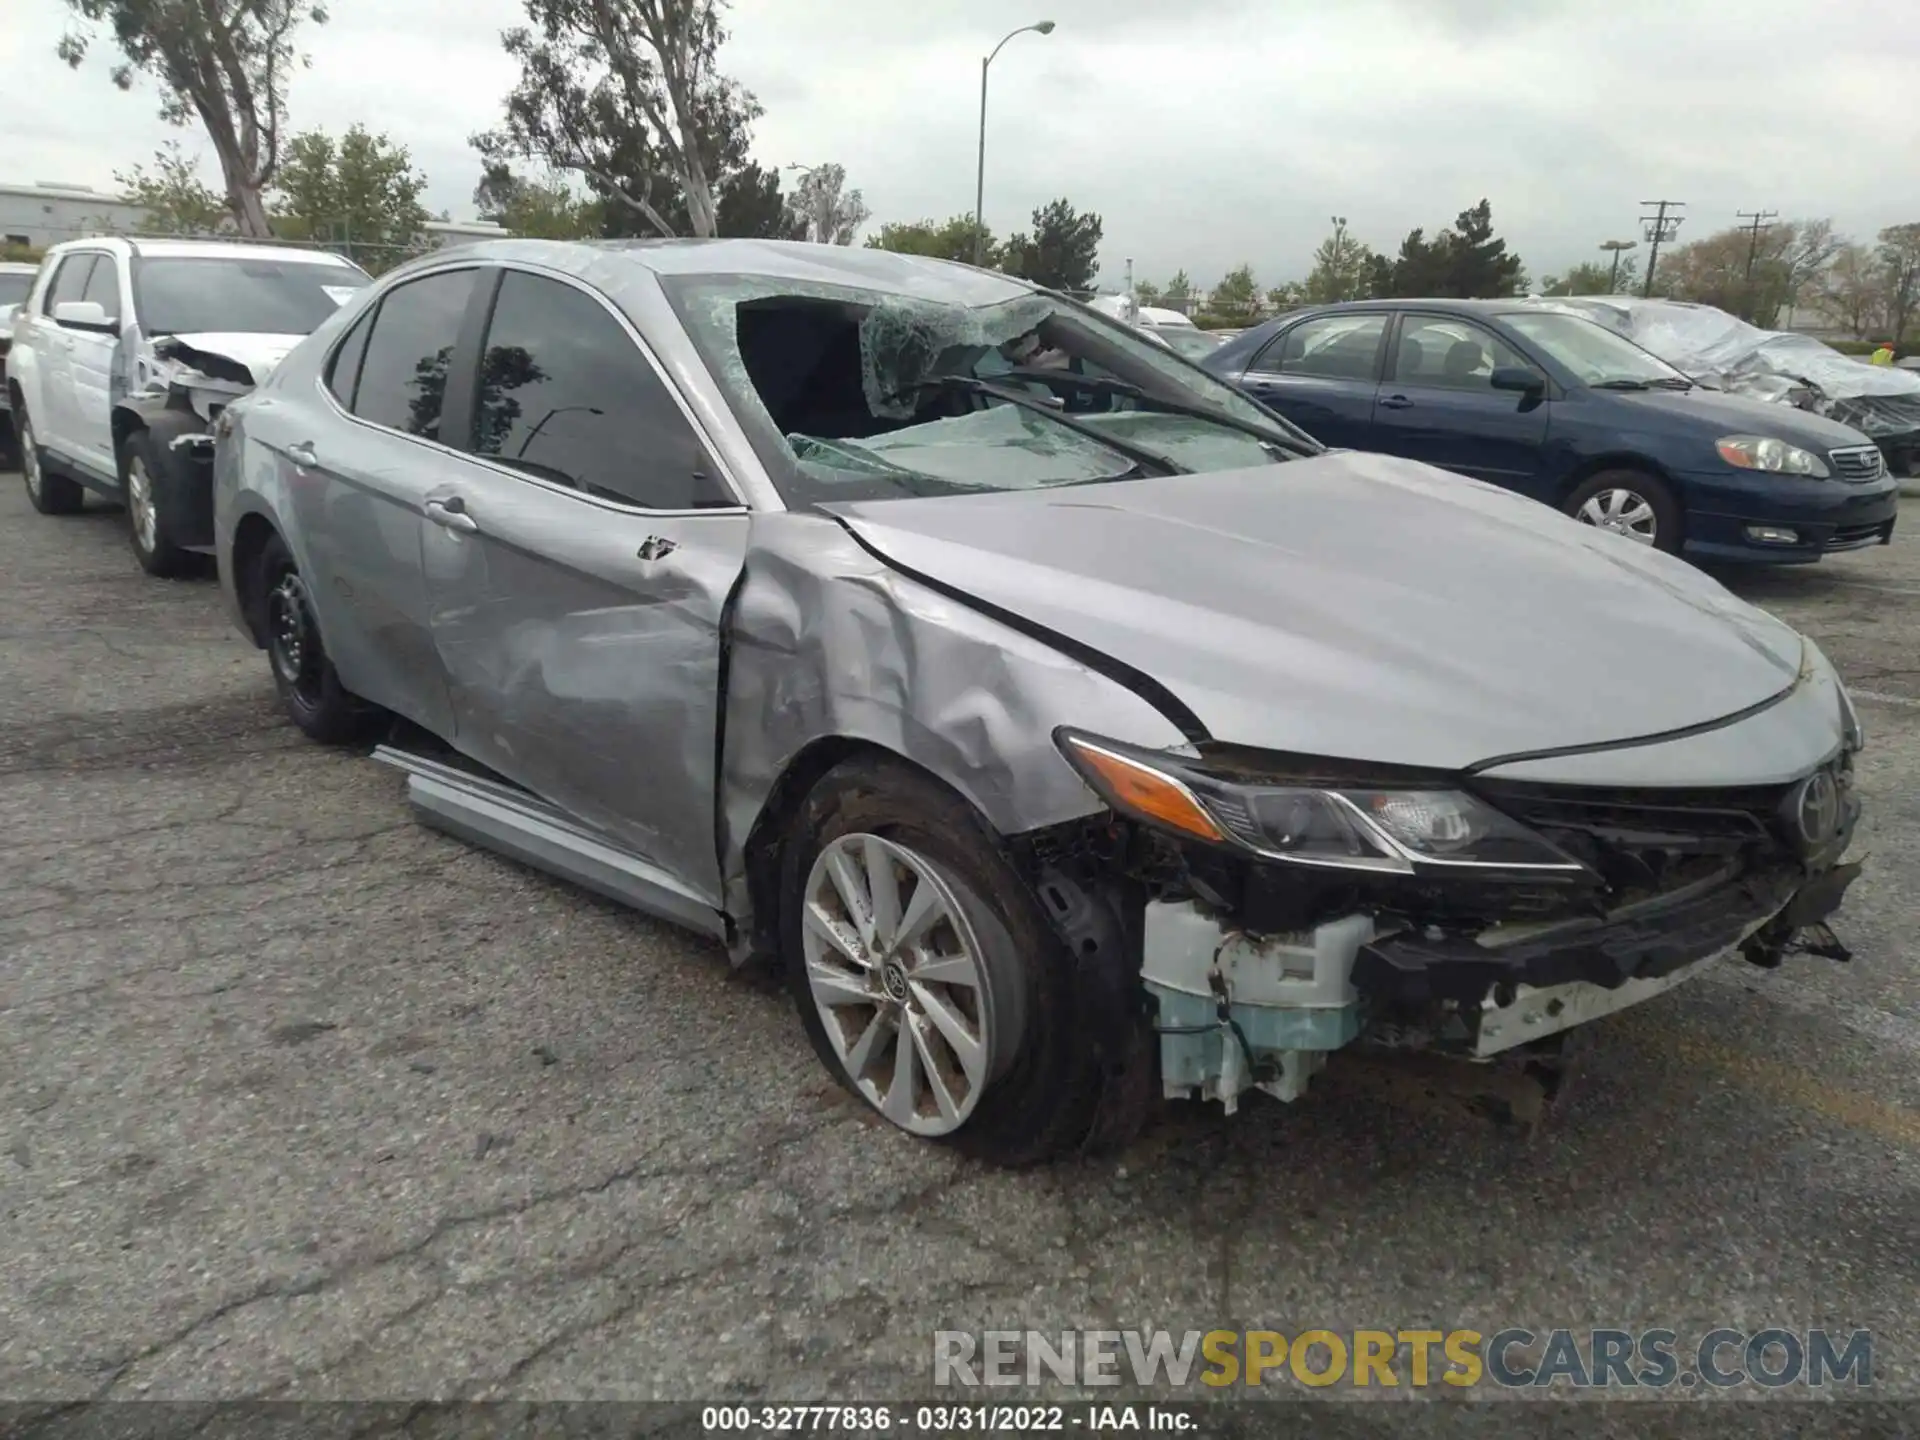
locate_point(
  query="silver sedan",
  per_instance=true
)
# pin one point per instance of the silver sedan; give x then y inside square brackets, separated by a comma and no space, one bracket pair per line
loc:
[1073,731]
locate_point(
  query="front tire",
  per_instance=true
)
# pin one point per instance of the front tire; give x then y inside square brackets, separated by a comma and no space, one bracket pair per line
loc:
[309,686]
[49,494]
[928,980]
[1630,503]
[149,527]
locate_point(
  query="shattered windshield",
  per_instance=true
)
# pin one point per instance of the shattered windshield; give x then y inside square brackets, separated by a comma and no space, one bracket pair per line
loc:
[1593,352]
[853,394]
[180,295]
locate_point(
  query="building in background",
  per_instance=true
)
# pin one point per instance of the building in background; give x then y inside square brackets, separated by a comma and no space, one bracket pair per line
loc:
[45,213]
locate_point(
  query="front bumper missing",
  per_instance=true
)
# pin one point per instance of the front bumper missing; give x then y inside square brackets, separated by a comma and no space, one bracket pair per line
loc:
[1238,1012]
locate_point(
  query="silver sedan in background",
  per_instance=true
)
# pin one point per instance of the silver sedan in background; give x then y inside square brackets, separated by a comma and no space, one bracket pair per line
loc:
[1072,730]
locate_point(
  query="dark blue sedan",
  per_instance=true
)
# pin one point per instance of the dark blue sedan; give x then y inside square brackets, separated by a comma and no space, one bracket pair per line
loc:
[1547,403]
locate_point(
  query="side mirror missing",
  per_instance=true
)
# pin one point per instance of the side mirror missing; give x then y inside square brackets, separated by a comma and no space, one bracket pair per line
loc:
[83,315]
[1518,377]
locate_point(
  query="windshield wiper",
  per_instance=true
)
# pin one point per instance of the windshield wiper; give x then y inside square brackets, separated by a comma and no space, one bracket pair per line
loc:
[1674,382]
[1621,384]
[1108,385]
[1151,460]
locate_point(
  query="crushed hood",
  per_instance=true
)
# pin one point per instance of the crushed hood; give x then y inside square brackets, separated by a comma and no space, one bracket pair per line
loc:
[1357,606]
[256,354]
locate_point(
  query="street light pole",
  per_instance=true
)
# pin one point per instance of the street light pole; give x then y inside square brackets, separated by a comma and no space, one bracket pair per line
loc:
[1043,27]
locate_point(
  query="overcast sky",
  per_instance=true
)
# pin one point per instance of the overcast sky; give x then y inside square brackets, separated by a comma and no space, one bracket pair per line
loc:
[1205,133]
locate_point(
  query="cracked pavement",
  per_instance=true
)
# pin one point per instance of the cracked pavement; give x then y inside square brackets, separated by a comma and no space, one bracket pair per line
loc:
[301,1100]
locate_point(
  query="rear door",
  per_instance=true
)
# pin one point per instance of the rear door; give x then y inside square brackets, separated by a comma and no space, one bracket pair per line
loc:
[1322,373]
[92,358]
[1437,405]
[578,567]
[359,457]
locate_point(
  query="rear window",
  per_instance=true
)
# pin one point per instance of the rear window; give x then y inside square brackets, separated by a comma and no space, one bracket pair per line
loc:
[13,289]
[217,294]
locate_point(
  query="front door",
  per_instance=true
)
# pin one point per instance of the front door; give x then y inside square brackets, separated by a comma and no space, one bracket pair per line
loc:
[1322,374]
[55,412]
[93,358]
[1436,404]
[577,570]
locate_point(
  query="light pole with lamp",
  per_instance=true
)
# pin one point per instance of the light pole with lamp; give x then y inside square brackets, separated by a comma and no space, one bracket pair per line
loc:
[1043,27]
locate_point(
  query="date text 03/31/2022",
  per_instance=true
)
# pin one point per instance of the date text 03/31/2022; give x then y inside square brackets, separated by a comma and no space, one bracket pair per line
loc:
[944,1419]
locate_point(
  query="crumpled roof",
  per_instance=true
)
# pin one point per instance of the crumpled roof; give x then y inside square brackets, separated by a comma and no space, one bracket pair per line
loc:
[1721,350]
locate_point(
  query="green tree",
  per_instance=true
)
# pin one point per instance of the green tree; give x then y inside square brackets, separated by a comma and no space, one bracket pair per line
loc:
[626,93]
[1147,293]
[1236,299]
[543,209]
[1850,289]
[225,61]
[1290,296]
[1478,263]
[828,213]
[1589,277]
[951,240]
[752,207]
[1179,292]
[1342,269]
[176,200]
[360,192]
[1063,253]
[1898,254]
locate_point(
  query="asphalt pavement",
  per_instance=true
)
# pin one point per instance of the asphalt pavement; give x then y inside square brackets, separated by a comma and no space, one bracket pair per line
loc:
[301,1100]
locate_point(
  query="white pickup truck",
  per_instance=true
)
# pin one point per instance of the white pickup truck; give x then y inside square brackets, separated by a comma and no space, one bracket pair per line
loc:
[123,356]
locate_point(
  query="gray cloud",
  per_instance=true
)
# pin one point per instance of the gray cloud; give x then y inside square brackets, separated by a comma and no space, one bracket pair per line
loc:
[1205,134]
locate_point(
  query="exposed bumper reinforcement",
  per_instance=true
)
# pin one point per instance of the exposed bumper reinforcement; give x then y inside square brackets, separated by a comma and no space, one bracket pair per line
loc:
[1411,969]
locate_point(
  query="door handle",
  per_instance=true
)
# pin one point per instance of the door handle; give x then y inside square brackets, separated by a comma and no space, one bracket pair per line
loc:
[1396,402]
[451,514]
[301,453]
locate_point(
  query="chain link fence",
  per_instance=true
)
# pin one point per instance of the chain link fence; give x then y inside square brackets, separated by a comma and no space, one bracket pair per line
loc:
[372,256]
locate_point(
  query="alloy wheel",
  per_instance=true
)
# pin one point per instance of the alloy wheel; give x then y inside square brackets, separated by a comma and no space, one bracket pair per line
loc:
[293,643]
[140,505]
[1625,512]
[895,969]
[29,459]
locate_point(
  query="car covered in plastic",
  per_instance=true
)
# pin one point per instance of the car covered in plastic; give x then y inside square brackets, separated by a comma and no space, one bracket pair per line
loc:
[1717,349]
[1070,730]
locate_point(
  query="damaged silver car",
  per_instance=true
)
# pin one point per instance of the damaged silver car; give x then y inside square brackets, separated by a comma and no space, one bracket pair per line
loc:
[1073,731]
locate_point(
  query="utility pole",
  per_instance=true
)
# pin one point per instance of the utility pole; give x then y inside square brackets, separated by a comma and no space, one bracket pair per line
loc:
[1757,220]
[1617,247]
[1339,266]
[1659,228]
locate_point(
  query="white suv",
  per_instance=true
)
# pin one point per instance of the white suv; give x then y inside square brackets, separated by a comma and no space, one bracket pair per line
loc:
[125,353]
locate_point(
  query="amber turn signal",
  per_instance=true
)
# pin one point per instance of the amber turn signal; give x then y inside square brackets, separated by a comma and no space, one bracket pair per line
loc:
[1140,790]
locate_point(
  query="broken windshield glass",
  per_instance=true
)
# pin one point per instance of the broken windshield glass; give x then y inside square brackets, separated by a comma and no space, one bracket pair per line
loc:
[849,393]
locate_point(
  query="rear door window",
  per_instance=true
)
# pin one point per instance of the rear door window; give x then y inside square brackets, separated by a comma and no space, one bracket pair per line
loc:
[1333,347]
[403,379]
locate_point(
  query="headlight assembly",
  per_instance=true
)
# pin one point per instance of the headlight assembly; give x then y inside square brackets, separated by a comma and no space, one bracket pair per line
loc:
[1761,452]
[1346,827]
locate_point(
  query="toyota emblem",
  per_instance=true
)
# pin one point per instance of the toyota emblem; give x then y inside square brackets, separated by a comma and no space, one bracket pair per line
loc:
[1816,809]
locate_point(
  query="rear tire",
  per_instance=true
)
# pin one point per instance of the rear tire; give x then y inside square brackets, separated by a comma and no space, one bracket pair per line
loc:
[1034,1091]
[149,527]
[309,686]
[49,494]
[1631,503]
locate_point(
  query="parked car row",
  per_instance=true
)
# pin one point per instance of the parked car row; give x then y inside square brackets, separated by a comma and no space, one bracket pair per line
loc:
[1547,403]
[1070,727]
[124,352]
